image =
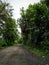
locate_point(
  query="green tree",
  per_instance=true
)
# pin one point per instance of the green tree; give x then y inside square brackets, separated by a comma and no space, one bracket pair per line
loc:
[8,25]
[10,31]
[45,2]
[5,13]
[34,24]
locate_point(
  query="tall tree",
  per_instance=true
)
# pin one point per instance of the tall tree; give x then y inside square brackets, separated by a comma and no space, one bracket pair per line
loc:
[34,23]
[7,23]
[5,13]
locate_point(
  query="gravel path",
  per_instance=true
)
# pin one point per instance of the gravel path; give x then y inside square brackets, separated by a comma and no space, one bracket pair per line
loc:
[18,55]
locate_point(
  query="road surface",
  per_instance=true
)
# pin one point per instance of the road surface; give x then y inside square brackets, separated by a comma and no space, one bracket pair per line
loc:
[18,55]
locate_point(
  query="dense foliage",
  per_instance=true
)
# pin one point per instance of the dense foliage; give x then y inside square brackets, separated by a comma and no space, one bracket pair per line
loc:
[8,27]
[34,23]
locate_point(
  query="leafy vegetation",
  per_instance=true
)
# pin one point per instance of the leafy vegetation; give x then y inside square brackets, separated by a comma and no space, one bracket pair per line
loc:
[34,23]
[8,26]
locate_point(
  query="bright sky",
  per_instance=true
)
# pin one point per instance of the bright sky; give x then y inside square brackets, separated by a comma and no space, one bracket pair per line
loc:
[17,4]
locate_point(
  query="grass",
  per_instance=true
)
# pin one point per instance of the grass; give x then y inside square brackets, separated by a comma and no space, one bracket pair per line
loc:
[38,52]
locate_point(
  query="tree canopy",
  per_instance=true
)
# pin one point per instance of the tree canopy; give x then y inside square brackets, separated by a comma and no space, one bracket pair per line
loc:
[34,23]
[8,27]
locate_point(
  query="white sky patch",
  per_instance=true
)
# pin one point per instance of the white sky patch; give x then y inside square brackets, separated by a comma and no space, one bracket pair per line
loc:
[17,4]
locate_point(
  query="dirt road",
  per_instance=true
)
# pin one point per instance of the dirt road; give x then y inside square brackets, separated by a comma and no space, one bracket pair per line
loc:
[18,55]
